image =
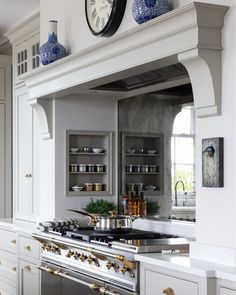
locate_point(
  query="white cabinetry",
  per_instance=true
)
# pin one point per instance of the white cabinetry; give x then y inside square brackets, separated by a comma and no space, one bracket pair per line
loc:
[29,274]
[5,137]
[226,287]
[8,261]
[160,280]
[25,43]
[26,157]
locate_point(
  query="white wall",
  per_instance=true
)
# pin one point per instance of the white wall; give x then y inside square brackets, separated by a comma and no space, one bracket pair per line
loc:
[79,113]
[216,218]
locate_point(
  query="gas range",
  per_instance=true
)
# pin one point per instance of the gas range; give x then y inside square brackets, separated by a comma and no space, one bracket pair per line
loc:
[108,257]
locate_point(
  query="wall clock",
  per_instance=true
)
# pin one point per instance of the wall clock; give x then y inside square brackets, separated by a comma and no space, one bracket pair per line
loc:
[104,16]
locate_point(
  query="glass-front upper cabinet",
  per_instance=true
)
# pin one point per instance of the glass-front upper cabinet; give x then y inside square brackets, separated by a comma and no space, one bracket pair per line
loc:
[26,56]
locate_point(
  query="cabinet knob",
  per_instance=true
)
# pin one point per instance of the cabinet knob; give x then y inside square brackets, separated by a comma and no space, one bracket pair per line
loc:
[28,248]
[168,291]
[14,268]
[27,267]
[30,175]
[26,175]
[13,241]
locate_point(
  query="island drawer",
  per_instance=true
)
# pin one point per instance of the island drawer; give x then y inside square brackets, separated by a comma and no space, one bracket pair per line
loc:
[8,266]
[164,284]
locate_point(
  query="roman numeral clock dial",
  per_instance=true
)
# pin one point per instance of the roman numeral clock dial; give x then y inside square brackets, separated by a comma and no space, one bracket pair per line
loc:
[104,16]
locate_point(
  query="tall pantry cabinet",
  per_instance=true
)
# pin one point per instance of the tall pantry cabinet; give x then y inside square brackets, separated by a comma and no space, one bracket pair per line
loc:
[26,152]
[5,137]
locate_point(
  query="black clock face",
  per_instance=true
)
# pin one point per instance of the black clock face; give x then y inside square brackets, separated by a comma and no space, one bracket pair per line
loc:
[104,16]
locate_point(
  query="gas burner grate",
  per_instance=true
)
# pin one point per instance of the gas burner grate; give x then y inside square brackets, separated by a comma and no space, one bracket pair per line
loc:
[88,234]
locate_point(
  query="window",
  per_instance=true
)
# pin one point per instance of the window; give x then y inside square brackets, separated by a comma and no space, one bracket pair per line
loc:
[183,149]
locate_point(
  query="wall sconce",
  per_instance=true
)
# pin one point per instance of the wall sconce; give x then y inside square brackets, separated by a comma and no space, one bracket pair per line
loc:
[213,162]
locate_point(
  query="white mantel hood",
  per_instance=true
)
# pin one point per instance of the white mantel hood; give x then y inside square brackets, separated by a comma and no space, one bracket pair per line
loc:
[190,35]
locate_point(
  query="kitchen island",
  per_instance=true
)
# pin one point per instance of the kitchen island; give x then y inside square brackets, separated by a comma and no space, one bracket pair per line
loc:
[175,274]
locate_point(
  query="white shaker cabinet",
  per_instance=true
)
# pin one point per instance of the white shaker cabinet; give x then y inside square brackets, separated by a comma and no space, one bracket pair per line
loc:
[25,157]
[29,283]
[159,280]
[5,137]
[225,287]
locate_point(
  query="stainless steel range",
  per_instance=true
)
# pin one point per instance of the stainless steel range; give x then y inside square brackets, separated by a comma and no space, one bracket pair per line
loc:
[79,260]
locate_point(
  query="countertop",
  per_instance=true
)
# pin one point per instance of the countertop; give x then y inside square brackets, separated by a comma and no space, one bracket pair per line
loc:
[184,263]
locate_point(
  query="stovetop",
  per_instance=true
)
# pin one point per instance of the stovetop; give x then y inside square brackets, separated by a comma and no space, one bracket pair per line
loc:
[88,234]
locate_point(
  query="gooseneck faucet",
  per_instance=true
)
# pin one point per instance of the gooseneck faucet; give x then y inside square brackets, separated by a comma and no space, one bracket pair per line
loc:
[176,184]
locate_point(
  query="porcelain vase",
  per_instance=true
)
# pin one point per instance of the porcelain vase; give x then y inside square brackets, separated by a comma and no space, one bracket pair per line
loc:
[144,10]
[52,50]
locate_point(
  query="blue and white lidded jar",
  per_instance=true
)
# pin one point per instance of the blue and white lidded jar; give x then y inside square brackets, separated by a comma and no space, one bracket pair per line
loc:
[52,50]
[144,10]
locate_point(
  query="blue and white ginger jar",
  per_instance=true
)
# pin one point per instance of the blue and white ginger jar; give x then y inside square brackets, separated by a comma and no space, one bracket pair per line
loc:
[52,50]
[144,10]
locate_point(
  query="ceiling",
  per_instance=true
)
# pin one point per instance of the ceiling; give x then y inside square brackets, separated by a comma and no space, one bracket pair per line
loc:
[12,11]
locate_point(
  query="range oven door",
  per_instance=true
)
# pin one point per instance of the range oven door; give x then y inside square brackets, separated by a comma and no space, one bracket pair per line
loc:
[62,281]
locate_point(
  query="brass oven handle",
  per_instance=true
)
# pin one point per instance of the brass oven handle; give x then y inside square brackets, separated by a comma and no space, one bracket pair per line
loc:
[168,291]
[94,287]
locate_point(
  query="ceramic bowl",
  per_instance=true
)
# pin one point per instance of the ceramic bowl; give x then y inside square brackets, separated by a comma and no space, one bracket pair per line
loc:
[74,150]
[151,152]
[130,151]
[77,188]
[97,151]
[150,188]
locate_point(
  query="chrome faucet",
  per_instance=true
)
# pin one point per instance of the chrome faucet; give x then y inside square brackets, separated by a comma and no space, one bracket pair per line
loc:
[177,182]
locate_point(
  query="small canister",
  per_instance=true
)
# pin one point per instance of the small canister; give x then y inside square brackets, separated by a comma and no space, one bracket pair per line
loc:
[91,167]
[73,167]
[137,168]
[82,167]
[129,168]
[152,168]
[88,186]
[98,187]
[100,168]
[145,168]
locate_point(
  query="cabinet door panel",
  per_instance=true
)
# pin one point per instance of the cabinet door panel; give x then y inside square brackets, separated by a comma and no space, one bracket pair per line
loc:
[226,291]
[2,159]
[29,279]
[24,154]
[156,283]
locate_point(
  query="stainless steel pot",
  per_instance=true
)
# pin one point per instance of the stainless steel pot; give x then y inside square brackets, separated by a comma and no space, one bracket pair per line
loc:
[113,223]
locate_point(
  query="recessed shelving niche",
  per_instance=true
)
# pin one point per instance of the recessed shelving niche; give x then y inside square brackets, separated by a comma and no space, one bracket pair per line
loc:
[88,169]
[142,162]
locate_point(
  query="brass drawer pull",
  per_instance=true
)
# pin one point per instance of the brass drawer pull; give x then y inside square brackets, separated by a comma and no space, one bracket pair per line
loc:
[28,248]
[27,267]
[168,291]
[13,242]
[14,268]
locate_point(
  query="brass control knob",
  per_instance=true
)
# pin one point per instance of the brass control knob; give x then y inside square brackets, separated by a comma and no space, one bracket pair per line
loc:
[69,254]
[109,265]
[124,269]
[116,266]
[82,257]
[48,248]
[44,246]
[76,255]
[54,249]
[90,259]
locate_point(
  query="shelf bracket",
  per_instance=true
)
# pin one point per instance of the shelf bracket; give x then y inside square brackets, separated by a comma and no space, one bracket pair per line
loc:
[43,109]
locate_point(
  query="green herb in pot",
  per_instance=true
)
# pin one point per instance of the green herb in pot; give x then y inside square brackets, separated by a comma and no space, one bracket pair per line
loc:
[100,207]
